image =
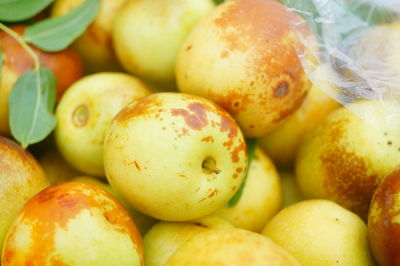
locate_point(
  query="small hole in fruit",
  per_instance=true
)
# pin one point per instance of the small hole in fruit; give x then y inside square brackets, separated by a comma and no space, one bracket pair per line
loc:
[209,166]
[80,116]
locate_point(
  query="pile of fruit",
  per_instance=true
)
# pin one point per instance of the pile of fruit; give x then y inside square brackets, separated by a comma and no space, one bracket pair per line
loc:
[186,132]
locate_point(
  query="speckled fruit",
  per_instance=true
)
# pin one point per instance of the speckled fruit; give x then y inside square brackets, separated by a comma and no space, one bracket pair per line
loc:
[261,198]
[147,35]
[243,57]
[282,142]
[73,224]
[233,247]
[164,238]
[143,222]
[95,44]
[175,156]
[21,177]
[66,66]
[384,221]
[346,157]
[85,112]
[320,232]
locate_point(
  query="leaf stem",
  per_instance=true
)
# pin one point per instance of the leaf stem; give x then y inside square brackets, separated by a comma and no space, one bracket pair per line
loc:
[24,45]
[36,62]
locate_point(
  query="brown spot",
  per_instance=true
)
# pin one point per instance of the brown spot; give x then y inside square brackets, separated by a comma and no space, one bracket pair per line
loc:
[348,179]
[207,139]
[281,90]
[163,128]
[196,118]
[228,124]
[147,106]
[137,165]
[235,152]
[228,144]
[239,169]
[233,188]
[189,47]
[235,176]
[251,126]
[213,193]
[252,83]
[197,189]
[200,224]
[389,143]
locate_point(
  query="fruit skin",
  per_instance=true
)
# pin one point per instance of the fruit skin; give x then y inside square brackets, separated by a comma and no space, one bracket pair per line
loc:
[56,168]
[244,75]
[66,66]
[147,35]
[21,177]
[143,222]
[261,198]
[165,238]
[73,224]
[320,232]
[383,220]
[85,112]
[95,44]
[174,156]
[281,143]
[346,157]
[231,246]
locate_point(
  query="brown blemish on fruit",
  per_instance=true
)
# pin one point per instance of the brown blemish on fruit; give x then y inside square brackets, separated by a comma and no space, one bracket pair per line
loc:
[207,139]
[189,47]
[235,152]
[235,176]
[147,106]
[233,97]
[66,65]
[239,169]
[196,118]
[228,144]
[348,178]
[389,143]
[55,206]
[281,90]
[228,124]
[213,193]
[136,165]
[200,224]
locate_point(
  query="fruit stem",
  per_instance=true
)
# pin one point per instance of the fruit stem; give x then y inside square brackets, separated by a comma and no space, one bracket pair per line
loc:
[22,42]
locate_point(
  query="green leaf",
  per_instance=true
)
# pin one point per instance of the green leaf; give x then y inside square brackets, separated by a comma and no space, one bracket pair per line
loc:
[251,148]
[56,34]
[31,106]
[217,2]
[19,10]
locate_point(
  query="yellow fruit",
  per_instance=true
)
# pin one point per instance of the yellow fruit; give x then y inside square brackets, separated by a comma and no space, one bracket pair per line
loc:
[261,198]
[73,224]
[231,246]
[85,112]
[243,57]
[320,232]
[346,157]
[148,34]
[291,191]
[175,156]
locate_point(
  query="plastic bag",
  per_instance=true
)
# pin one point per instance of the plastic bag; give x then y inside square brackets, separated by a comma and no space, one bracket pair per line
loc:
[358,43]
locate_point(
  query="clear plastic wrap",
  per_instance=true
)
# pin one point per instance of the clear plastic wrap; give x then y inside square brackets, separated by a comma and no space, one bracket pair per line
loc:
[354,46]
